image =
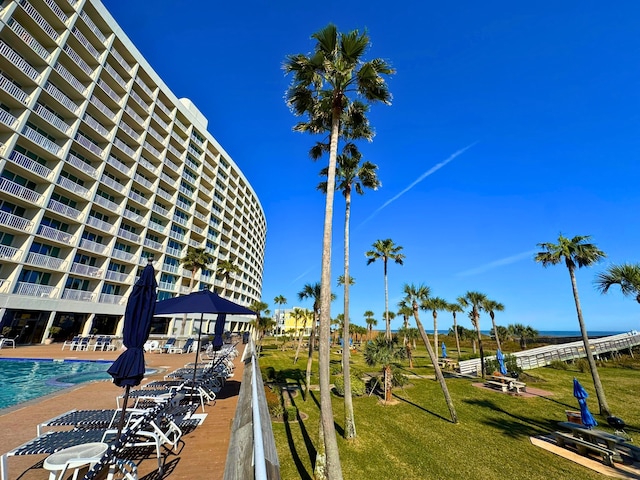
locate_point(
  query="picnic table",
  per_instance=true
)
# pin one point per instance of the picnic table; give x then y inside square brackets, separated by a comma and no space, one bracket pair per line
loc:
[599,438]
[447,363]
[506,384]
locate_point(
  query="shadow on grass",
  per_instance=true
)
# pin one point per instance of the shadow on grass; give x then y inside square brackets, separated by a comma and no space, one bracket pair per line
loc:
[311,451]
[517,426]
[420,407]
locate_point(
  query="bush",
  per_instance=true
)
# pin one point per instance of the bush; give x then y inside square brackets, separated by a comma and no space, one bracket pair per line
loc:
[559,365]
[358,387]
[269,374]
[398,379]
[274,402]
[335,368]
[582,365]
[291,412]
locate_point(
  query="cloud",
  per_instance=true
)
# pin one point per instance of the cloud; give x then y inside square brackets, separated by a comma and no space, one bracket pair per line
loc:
[497,263]
[429,172]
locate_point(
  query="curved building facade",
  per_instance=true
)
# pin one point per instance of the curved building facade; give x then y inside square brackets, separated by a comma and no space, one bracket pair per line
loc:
[102,167]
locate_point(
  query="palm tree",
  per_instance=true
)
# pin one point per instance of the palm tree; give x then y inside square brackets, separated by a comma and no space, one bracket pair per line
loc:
[420,293]
[225,268]
[194,260]
[370,321]
[492,306]
[322,86]
[311,291]
[385,250]
[475,300]
[409,335]
[261,324]
[406,311]
[577,252]
[299,314]
[626,276]
[383,352]
[455,308]
[434,304]
[280,300]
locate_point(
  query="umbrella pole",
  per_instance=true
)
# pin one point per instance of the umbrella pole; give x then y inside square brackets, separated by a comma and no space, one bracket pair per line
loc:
[124,409]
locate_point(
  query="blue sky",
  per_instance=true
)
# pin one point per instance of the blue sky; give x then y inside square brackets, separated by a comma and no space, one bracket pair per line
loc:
[510,123]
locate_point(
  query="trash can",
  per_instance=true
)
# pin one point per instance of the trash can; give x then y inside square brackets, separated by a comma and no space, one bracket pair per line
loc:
[245,337]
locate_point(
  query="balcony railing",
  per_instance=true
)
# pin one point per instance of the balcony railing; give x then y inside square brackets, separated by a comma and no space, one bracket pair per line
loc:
[86,270]
[128,235]
[124,147]
[158,209]
[57,10]
[61,97]
[118,165]
[138,198]
[81,165]
[72,187]
[51,118]
[12,89]
[155,134]
[19,191]
[167,286]
[96,125]
[143,181]
[174,150]
[129,131]
[157,227]
[116,276]
[45,261]
[152,149]
[28,39]
[78,295]
[132,216]
[69,77]
[88,144]
[165,195]
[108,204]
[181,125]
[161,122]
[7,253]
[93,246]
[116,76]
[55,234]
[85,43]
[180,220]
[177,236]
[176,253]
[107,89]
[171,165]
[152,244]
[39,19]
[113,299]
[102,107]
[139,100]
[122,255]
[100,224]
[144,87]
[63,209]
[84,66]
[148,165]
[120,60]
[113,184]
[41,140]
[134,115]
[29,164]
[162,107]
[92,26]
[34,290]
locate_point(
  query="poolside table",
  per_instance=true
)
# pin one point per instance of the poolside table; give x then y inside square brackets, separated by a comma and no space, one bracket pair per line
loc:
[85,454]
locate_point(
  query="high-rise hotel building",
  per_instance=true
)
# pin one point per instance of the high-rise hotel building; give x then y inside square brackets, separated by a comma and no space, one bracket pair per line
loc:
[101,167]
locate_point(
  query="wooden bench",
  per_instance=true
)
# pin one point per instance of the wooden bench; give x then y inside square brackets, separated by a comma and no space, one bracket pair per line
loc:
[497,385]
[584,447]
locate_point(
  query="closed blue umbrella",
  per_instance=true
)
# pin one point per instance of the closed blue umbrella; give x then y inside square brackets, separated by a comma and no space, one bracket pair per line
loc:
[128,369]
[581,394]
[500,358]
[218,331]
[444,350]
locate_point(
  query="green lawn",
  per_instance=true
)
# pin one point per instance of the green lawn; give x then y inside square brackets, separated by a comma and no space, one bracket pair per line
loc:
[416,440]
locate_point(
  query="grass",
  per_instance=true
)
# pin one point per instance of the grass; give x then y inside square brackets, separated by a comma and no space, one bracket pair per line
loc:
[415,438]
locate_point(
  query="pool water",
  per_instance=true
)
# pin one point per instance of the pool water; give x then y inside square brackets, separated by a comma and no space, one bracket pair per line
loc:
[24,380]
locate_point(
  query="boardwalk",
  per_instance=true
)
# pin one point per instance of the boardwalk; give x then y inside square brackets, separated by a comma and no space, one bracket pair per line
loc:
[205,450]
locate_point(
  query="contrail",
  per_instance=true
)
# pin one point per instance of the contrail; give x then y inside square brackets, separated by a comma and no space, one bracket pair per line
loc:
[497,263]
[432,170]
[302,275]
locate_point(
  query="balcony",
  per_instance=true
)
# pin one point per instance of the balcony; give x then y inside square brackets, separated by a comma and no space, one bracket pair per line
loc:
[28,39]
[129,131]
[116,76]
[177,236]
[51,118]
[158,209]
[144,87]
[57,10]
[41,140]
[116,276]
[7,253]
[134,115]
[93,246]
[157,227]
[156,153]
[162,107]
[86,270]
[72,187]
[112,299]
[88,144]
[148,165]
[162,194]
[124,147]
[152,244]
[96,125]
[132,216]
[34,290]
[78,295]
[160,122]
[86,43]
[100,224]
[122,255]
[63,209]
[143,181]
[120,60]
[29,164]
[73,55]
[92,26]
[195,244]
[108,204]
[102,107]
[167,286]
[19,191]
[118,187]
[69,77]
[45,261]
[13,90]
[139,100]
[61,97]
[118,165]
[39,19]
[173,150]
[55,234]
[107,89]
[181,126]
[81,165]
[171,165]
[122,233]
[138,198]
[182,221]
[155,135]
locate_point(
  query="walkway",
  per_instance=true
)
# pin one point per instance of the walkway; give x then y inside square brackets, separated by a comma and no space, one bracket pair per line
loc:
[205,450]
[543,356]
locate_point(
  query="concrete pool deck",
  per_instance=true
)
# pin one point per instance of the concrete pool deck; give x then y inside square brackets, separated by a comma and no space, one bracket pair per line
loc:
[205,450]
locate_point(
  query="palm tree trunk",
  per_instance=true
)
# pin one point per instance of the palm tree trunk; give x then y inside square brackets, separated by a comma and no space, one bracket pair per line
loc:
[387,383]
[334,469]
[349,418]
[387,334]
[184,317]
[477,325]
[436,366]
[495,330]
[435,332]
[300,337]
[312,341]
[455,330]
[602,400]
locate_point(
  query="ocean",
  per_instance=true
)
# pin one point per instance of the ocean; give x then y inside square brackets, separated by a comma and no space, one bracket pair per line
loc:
[546,333]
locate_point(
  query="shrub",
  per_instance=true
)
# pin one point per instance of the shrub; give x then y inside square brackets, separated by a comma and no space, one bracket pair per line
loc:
[335,368]
[274,402]
[559,365]
[291,412]
[398,379]
[582,365]
[358,387]
[270,373]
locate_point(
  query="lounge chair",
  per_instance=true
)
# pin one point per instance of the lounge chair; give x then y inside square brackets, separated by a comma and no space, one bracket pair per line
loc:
[71,343]
[168,344]
[103,343]
[186,348]
[82,344]
[5,342]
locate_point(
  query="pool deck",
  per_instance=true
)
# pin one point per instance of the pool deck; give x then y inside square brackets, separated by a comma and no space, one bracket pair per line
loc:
[205,450]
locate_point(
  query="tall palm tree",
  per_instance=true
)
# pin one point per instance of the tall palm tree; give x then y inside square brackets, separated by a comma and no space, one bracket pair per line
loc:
[385,250]
[194,260]
[420,293]
[492,306]
[370,321]
[225,268]
[260,324]
[300,315]
[280,300]
[434,304]
[409,335]
[626,276]
[577,252]
[312,292]
[322,87]
[455,308]
[475,300]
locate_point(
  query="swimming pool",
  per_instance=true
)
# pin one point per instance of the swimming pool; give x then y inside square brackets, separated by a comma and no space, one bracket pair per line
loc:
[27,379]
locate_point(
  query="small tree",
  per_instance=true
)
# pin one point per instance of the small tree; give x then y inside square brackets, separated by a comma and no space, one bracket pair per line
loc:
[379,351]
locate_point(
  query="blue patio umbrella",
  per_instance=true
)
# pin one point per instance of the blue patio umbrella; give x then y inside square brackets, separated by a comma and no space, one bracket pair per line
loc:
[218,331]
[204,301]
[500,358]
[128,369]
[581,394]
[444,350]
